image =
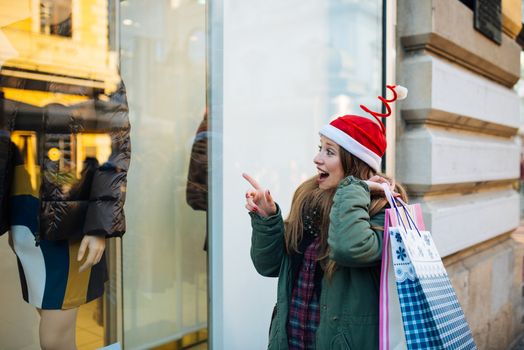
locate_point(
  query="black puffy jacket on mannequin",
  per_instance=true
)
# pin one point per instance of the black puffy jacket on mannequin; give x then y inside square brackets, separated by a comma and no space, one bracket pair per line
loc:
[78,193]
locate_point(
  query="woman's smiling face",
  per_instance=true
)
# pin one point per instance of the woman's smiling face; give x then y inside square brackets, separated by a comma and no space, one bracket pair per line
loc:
[329,165]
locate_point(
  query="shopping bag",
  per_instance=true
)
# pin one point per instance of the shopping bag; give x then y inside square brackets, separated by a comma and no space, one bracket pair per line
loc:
[391,327]
[418,305]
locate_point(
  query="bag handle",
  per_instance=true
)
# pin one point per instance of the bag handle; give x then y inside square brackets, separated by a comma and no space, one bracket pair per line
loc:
[393,204]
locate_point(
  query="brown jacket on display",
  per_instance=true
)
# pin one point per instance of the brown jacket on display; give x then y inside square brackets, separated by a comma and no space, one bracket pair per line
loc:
[70,161]
[196,190]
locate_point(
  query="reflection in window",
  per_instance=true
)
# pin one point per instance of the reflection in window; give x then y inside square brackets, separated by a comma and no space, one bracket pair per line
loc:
[55,17]
[63,126]
[164,263]
[26,143]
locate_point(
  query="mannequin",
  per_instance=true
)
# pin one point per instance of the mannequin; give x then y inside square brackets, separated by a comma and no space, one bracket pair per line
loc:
[56,226]
[63,171]
[58,327]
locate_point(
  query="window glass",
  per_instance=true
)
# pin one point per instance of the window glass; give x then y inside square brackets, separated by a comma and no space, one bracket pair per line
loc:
[63,127]
[164,257]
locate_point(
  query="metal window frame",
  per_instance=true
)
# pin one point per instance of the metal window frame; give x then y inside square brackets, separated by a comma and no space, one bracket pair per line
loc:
[214,97]
[389,68]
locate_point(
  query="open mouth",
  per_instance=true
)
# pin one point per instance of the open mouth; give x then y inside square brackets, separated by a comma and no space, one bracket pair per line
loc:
[322,174]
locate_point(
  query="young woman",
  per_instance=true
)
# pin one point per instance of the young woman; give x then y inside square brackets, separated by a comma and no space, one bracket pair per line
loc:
[327,253]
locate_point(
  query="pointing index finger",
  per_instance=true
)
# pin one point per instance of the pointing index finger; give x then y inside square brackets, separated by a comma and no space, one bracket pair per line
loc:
[252,181]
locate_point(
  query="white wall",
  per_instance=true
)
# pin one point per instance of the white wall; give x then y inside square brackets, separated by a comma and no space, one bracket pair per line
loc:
[272,109]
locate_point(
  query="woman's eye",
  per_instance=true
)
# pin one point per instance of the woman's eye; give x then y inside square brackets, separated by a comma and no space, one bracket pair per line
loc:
[330,152]
[319,148]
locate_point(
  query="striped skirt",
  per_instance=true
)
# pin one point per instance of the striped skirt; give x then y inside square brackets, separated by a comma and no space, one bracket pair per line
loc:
[48,272]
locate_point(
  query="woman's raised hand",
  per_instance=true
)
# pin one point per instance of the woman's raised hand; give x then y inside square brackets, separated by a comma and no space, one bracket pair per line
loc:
[375,185]
[258,199]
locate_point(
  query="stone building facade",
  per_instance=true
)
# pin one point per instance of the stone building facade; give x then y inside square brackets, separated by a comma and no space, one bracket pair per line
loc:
[458,153]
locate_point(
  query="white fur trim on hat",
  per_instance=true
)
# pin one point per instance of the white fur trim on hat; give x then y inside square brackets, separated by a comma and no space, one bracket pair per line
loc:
[352,146]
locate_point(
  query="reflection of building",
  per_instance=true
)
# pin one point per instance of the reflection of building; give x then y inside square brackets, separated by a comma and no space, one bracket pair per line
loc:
[164,268]
[58,74]
[26,143]
[59,58]
[82,60]
[69,151]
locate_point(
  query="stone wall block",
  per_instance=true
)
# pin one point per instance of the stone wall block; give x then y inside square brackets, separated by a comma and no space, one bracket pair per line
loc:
[483,278]
[457,223]
[511,17]
[446,94]
[501,281]
[499,336]
[445,28]
[479,301]
[518,280]
[481,337]
[435,156]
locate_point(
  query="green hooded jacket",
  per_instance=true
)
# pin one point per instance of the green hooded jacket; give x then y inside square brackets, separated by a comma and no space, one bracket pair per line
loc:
[349,301]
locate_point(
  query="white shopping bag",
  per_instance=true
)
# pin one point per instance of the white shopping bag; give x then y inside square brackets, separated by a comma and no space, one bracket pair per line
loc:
[418,305]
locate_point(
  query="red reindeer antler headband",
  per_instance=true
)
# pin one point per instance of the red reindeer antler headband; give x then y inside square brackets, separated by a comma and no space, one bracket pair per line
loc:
[399,93]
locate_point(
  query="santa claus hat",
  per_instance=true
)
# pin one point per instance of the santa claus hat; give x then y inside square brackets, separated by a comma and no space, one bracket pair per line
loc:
[362,137]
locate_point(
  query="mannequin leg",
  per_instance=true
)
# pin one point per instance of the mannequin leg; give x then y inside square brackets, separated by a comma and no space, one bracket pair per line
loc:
[58,329]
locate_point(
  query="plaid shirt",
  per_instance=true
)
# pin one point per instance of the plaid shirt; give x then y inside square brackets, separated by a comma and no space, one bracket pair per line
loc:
[304,310]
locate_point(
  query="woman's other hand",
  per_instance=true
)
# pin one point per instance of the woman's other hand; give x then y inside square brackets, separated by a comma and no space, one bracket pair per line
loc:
[258,199]
[375,185]
[95,246]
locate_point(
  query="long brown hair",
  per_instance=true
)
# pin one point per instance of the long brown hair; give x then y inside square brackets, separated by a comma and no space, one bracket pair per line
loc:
[309,196]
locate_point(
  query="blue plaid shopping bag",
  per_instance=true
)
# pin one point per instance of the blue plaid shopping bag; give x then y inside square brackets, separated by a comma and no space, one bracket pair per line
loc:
[415,288]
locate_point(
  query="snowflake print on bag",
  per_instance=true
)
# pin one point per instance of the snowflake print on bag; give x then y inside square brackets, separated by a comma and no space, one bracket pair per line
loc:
[401,253]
